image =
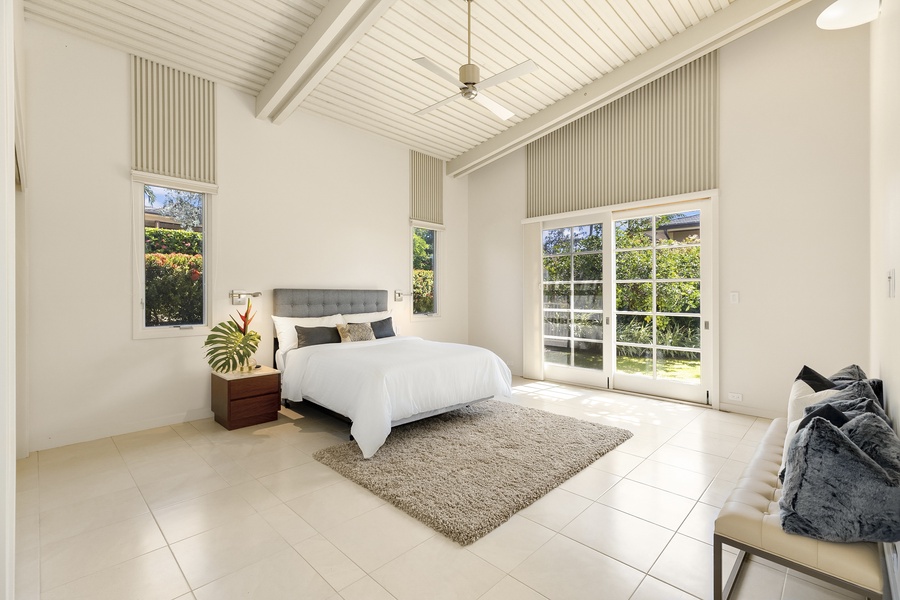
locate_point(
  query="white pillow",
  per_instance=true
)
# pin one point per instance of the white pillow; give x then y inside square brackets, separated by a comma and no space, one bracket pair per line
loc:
[287,335]
[366,317]
[791,432]
[802,396]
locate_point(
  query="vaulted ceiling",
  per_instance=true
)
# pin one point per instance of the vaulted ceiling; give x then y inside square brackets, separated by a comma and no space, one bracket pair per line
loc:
[352,60]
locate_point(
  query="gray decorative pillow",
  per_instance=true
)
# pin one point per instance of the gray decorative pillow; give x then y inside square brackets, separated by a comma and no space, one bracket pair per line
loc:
[849,373]
[834,491]
[854,392]
[853,407]
[356,332]
[313,336]
[383,328]
[876,438]
[876,385]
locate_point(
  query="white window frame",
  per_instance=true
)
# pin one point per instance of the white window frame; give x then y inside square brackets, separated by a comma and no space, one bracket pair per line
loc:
[138,181]
[438,286]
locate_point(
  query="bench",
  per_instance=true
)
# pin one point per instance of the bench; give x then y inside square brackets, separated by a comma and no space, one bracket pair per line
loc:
[750,522]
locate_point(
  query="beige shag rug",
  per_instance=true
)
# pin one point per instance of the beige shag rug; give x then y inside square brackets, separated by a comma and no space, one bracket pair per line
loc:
[466,472]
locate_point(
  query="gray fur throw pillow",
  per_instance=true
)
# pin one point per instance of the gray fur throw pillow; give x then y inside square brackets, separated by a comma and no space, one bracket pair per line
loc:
[834,491]
[854,400]
[874,437]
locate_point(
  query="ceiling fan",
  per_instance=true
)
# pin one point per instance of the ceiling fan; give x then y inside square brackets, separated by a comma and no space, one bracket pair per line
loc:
[469,78]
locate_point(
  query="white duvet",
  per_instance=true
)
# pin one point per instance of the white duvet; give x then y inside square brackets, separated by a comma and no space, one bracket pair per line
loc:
[375,383]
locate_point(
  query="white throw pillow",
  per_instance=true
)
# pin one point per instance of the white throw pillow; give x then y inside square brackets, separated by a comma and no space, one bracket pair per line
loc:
[802,396]
[366,317]
[791,432]
[287,335]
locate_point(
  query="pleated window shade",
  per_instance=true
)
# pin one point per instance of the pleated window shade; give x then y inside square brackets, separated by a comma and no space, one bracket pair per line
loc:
[426,188]
[659,140]
[174,116]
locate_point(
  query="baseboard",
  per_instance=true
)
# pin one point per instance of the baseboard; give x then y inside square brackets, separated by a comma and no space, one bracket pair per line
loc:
[749,410]
[89,434]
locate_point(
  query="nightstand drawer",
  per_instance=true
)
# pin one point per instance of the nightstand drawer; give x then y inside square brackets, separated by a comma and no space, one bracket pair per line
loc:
[254,386]
[238,410]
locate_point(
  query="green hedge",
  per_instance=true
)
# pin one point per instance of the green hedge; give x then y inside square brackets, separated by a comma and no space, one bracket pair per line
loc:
[423,291]
[174,289]
[172,241]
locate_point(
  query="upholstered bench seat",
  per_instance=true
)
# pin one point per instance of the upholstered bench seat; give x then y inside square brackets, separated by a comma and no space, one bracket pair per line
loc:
[750,522]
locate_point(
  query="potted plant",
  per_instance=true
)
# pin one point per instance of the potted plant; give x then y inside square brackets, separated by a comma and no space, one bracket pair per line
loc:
[231,344]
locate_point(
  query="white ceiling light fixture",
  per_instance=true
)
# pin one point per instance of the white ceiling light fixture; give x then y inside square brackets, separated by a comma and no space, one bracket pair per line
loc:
[469,78]
[844,14]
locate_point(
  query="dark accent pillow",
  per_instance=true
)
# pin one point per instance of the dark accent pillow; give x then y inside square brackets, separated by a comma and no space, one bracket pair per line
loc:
[827,412]
[383,328]
[834,491]
[849,373]
[313,336]
[813,379]
[878,440]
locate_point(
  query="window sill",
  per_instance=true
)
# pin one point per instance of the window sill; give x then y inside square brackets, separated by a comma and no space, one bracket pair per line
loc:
[143,333]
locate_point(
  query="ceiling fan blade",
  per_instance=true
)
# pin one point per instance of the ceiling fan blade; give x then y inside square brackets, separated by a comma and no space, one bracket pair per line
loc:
[424,62]
[493,106]
[511,73]
[436,105]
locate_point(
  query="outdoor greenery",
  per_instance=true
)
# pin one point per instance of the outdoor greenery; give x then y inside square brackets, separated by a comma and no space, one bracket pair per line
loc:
[174,289]
[645,257]
[423,291]
[423,271]
[173,273]
[167,241]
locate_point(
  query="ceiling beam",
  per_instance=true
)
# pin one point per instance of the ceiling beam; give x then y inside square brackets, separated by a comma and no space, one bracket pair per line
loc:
[740,18]
[334,32]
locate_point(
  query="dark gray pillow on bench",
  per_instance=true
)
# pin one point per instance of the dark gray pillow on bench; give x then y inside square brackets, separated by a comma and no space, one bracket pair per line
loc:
[834,491]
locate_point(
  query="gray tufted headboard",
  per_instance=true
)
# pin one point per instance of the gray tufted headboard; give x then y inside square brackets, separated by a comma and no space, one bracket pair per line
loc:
[320,303]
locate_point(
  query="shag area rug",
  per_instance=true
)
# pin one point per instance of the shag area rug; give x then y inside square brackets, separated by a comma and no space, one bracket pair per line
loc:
[466,472]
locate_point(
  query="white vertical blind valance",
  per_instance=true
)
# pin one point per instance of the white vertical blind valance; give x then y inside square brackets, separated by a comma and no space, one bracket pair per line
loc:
[426,188]
[660,140]
[174,120]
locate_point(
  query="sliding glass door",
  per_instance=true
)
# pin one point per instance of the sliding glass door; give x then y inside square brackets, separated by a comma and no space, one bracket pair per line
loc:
[653,336]
[572,290]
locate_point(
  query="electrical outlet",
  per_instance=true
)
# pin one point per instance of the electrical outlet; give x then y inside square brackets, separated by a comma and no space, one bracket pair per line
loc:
[734,397]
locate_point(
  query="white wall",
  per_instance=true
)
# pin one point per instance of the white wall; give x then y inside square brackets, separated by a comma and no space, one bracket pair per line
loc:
[310,203]
[794,220]
[885,214]
[497,195]
[793,214]
[7,305]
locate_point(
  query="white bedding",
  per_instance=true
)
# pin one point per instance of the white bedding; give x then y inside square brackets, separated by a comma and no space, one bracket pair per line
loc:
[375,383]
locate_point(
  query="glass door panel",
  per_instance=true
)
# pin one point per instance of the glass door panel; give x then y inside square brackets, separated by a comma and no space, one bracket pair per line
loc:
[658,312]
[573,310]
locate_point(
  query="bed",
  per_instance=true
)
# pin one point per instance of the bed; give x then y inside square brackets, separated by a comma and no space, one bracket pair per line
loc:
[382,383]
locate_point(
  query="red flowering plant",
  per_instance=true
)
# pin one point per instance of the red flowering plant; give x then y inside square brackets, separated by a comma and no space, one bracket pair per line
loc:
[231,344]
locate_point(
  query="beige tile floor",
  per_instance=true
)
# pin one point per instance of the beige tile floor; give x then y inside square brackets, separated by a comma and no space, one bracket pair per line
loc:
[193,511]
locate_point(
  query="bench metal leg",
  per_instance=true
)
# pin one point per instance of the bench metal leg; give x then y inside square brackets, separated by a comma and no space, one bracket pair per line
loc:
[720,591]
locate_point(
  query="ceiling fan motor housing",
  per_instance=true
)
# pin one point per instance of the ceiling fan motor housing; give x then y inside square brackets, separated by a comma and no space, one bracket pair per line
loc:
[469,74]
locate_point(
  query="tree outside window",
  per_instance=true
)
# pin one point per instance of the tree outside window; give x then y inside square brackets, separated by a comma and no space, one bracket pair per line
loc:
[424,301]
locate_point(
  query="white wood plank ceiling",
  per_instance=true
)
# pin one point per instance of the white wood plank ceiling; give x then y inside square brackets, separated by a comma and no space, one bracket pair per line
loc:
[374,83]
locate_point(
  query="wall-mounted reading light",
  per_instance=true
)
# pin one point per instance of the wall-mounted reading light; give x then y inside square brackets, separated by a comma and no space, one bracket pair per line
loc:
[398,295]
[844,14]
[239,297]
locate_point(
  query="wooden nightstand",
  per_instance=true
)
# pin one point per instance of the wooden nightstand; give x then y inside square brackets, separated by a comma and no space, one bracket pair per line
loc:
[242,399]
